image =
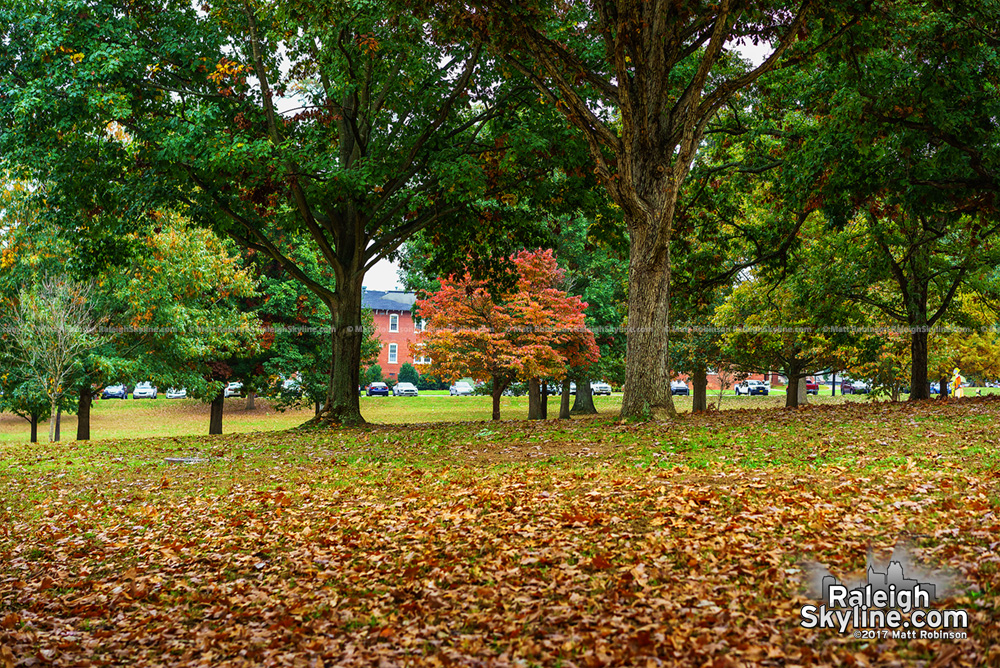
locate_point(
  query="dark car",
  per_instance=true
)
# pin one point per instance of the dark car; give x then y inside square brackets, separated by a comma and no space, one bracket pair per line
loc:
[849,386]
[679,387]
[378,390]
[115,392]
[812,387]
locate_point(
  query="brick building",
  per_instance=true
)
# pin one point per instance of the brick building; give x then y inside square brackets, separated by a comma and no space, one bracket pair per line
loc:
[395,327]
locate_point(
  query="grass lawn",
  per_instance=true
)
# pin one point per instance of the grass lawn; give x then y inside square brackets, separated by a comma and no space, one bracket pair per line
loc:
[469,542]
[146,418]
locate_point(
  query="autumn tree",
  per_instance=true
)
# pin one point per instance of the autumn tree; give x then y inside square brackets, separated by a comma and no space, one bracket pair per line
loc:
[53,325]
[642,81]
[531,330]
[337,122]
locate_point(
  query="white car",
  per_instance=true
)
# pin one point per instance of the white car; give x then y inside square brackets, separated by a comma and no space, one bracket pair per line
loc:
[233,389]
[174,393]
[144,391]
[461,388]
[404,390]
[749,387]
[600,388]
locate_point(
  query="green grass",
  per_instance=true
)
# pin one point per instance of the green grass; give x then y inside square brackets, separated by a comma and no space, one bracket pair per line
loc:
[152,418]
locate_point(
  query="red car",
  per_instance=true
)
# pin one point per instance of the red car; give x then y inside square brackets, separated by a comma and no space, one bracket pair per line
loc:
[812,387]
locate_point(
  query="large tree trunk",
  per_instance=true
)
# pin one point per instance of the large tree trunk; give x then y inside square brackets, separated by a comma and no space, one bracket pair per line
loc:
[564,400]
[700,381]
[34,427]
[792,390]
[215,420]
[83,414]
[251,401]
[647,357]
[544,405]
[498,388]
[534,400]
[919,383]
[584,402]
[342,406]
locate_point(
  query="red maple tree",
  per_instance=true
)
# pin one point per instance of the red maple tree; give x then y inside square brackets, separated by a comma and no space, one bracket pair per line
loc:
[532,330]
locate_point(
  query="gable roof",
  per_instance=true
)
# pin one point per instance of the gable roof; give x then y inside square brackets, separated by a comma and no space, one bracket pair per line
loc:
[392,300]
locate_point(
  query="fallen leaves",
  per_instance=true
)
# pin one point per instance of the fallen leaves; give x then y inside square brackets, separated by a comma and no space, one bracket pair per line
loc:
[582,564]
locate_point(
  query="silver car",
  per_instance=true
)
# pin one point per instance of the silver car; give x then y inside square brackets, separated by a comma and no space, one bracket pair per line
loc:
[461,388]
[404,390]
[144,391]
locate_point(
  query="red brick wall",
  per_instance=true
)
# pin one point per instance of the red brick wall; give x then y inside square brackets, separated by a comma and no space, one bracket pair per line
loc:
[403,338]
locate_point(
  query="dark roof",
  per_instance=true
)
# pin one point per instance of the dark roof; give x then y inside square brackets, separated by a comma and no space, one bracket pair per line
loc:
[393,300]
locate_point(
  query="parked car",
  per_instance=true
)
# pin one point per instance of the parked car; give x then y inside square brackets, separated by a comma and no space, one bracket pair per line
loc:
[144,391]
[679,387]
[114,392]
[555,389]
[849,386]
[749,387]
[600,387]
[404,390]
[461,388]
[812,387]
[174,393]
[233,389]
[378,390]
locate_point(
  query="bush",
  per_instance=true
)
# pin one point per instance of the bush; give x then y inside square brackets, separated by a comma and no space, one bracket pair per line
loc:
[373,375]
[409,374]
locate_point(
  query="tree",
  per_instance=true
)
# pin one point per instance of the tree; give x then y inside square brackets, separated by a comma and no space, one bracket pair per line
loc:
[374,374]
[529,331]
[337,122]
[51,328]
[770,329]
[903,160]
[408,374]
[642,81]
[168,302]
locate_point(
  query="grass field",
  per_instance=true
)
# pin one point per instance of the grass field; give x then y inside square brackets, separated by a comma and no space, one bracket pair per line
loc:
[146,418]
[554,543]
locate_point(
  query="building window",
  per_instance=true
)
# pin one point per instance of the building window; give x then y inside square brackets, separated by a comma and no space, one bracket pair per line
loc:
[392,353]
[393,323]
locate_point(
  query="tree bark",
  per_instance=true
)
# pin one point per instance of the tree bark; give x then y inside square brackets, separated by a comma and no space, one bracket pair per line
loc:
[534,400]
[544,405]
[34,427]
[498,388]
[342,406]
[215,420]
[647,357]
[58,424]
[83,414]
[584,402]
[251,401]
[564,400]
[53,415]
[700,381]
[803,393]
[792,390]
[919,383]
